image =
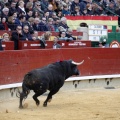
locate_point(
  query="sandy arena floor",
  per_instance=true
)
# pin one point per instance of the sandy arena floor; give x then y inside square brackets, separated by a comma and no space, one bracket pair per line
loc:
[88,104]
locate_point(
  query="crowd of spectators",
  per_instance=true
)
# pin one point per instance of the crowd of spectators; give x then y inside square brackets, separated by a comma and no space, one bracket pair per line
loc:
[49,15]
[46,15]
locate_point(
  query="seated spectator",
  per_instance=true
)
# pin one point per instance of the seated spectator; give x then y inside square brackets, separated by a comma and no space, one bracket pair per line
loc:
[29,6]
[16,36]
[65,10]
[73,5]
[3,24]
[46,36]
[5,13]
[21,21]
[62,36]
[30,24]
[36,25]
[21,8]
[36,14]
[29,14]
[55,43]
[11,23]
[110,7]
[46,15]
[50,10]
[12,8]
[26,36]
[56,24]
[69,34]
[35,37]
[37,8]
[50,24]
[42,25]
[5,37]
[76,12]
[63,23]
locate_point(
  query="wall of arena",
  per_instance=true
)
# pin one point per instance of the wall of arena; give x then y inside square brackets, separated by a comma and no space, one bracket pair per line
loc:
[98,61]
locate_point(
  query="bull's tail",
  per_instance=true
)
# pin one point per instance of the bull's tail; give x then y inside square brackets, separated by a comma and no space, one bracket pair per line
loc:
[25,90]
[23,94]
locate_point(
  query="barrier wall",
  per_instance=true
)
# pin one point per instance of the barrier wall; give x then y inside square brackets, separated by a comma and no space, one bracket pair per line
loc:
[98,61]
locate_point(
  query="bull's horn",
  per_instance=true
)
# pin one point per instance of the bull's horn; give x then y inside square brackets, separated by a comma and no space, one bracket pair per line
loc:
[77,63]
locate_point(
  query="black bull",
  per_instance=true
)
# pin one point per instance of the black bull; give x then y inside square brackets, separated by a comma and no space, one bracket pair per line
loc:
[50,78]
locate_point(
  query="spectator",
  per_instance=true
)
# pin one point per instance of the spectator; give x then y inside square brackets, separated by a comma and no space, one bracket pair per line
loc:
[21,8]
[56,45]
[110,10]
[35,37]
[42,25]
[56,24]
[83,5]
[59,11]
[3,24]
[62,36]
[5,37]
[29,6]
[46,15]
[46,36]
[53,3]
[16,36]
[36,14]
[73,5]
[21,21]
[29,14]
[63,23]
[69,34]
[12,8]
[26,36]
[44,4]
[11,23]
[50,10]
[54,16]
[37,8]
[65,10]
[5,13]
[76,12]
[50,24]
[30,24]
[36,25]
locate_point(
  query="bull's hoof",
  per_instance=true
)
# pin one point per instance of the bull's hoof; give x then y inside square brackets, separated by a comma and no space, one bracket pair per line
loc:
[45,104]
[21,107]
[37,103]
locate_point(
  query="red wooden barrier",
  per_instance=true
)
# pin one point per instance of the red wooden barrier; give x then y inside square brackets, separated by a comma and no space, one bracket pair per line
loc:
[8,45]
[49,44]
[98,61]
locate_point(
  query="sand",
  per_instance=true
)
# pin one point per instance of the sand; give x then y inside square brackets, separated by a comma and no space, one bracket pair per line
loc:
[84,104]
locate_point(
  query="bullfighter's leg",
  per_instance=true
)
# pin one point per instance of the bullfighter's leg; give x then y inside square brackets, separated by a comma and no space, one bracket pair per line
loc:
[36,95]
[49,97]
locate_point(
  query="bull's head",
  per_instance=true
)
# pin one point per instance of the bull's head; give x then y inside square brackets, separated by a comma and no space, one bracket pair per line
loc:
[74,67]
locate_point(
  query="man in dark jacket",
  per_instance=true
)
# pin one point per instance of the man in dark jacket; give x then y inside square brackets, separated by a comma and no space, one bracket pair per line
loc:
[16,36]
[26,34]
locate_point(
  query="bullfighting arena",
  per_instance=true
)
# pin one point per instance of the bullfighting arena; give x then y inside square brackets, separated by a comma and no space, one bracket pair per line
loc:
[82,104]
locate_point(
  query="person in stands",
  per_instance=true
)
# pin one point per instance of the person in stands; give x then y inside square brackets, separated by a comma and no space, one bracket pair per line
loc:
[5,37]
[16,36]
[26,34]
